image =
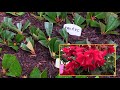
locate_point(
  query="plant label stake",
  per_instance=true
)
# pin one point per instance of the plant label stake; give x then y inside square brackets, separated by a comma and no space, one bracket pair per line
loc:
[73,29]
[57,63]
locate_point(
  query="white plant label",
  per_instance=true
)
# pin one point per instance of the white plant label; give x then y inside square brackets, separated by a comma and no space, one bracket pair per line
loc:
[73,29]
[57,63]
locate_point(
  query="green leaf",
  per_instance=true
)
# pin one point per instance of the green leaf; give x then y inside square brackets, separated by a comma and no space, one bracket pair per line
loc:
[0,50]
[44,43]
[49,19]
[44,74]
[52,15]
[102,27]
[42,36]
[58,14]
[51,44]
[15,69]
[14,47]
[67,20]
[94,23]
[26,25]
[56,45]
[8,23]
[78,19]
[97,77]
[48,28]
[19,38]
[35,73]
[8,59]
[58,76]
[20,13]
[64,34]
[24,47]
[113,32]
[112,22]
[100,15]
[81,77]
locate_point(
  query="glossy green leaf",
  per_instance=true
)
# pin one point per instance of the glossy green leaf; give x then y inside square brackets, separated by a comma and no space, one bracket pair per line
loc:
[64,34]
[48,28]
[78,19]
[35,73]
[51,44]
[102,27]
[26,25]
[44,43]
[8,59]
[100,15]
[94,23]
[112,22]
[15,69]
[44,74]
[19,38]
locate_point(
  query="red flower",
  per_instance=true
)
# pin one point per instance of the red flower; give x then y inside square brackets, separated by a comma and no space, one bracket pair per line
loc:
[111,49]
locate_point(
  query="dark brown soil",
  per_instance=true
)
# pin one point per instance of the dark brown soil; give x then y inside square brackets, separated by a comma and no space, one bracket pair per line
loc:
[43,59]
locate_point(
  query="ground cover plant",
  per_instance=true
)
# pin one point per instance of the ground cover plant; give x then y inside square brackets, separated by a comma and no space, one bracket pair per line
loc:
[29,41]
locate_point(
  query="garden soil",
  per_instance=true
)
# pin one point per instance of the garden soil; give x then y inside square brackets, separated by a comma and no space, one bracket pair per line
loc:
[43,59]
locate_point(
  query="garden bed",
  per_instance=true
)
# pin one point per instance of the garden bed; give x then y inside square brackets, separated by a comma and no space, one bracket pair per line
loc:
[43,59]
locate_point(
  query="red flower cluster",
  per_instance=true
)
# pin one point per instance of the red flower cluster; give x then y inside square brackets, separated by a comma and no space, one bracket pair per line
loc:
[87,57]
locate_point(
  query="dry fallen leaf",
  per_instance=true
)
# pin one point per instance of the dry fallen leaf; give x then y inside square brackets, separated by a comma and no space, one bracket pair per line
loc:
[29,45]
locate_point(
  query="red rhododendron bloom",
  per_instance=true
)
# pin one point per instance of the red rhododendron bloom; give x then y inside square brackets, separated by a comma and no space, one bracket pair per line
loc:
[111,49]
[87,57]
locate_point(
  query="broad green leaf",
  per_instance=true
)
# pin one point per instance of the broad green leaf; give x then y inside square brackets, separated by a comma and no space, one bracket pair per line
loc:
[52,15]
[15,69]
[51,44]
[8,23]
[31,40]
[63,15]
[112,22]
[26,25]
[67,20]
[48,28]
[14,47]
[24,47]
[49,19]
[35,73]
[8,59]
[44,74]
[94,23]
[64,34]
[100,15]
[44,43]
[56,45]
[58,14]
[19,38]
[78,19]
[42,36]
[102,27]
